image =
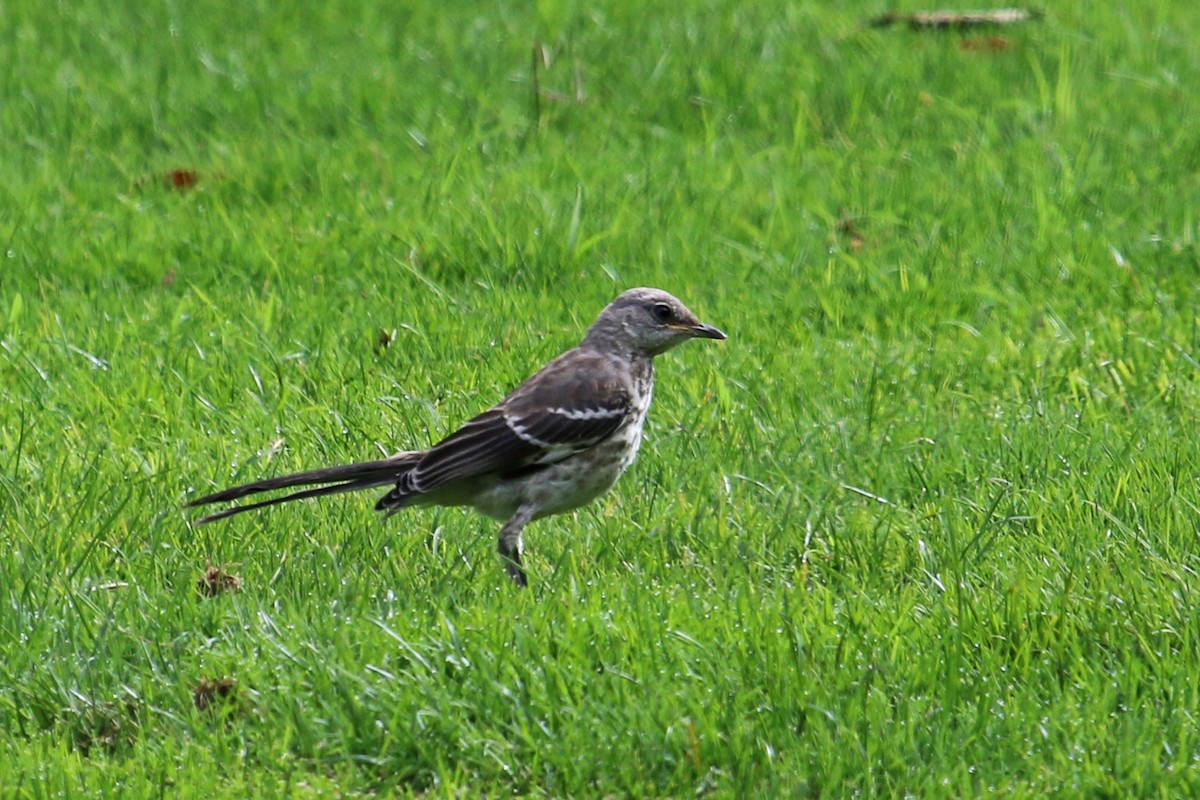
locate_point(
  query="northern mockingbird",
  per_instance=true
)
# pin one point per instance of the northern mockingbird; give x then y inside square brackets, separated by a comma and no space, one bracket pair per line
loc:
[556,442]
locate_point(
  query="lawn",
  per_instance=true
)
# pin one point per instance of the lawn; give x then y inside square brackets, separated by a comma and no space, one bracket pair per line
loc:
[926,524]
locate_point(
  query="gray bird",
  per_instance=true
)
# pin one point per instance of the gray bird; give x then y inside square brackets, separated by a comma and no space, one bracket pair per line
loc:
[556,442]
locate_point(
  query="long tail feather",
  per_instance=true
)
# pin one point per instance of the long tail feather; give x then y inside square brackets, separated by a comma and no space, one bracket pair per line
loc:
[319,491]
[345,478]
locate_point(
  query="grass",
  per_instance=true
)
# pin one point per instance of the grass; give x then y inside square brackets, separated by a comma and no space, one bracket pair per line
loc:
[925,525]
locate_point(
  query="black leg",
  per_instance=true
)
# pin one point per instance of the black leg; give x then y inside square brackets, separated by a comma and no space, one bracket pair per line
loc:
[512,563]
[511,545]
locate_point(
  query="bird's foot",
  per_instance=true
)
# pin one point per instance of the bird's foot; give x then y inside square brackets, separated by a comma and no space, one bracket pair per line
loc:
[517,573]
[511,546]
[512,563]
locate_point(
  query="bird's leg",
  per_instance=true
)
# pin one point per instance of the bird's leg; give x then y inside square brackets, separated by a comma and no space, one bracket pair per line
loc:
[511,544]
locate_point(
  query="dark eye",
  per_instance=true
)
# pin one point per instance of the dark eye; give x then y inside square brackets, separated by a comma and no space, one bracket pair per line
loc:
[662,312]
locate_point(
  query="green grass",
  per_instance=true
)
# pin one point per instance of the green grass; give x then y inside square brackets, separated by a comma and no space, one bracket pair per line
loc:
[925,525]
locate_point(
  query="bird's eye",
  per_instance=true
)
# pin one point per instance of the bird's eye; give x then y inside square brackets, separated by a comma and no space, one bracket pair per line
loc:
[662,312]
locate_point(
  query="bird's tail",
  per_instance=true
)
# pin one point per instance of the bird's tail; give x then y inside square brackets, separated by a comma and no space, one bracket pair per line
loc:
[330,480]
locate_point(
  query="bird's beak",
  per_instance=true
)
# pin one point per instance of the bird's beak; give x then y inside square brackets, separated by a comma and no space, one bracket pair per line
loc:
[702,331]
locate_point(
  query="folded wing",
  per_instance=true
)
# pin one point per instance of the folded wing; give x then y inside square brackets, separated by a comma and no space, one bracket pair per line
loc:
[563,410]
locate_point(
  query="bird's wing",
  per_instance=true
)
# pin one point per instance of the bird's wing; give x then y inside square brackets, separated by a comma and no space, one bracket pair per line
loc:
[573,404]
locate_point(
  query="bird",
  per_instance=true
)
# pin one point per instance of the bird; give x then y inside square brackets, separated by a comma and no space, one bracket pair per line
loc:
[559,440]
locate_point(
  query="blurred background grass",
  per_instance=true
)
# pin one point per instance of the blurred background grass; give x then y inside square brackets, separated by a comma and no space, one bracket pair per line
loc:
[924,525]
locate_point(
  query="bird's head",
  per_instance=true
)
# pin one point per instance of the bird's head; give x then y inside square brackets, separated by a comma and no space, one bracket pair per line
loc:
[647,322]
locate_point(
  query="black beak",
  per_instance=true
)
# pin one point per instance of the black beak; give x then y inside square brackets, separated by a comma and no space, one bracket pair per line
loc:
[702,331]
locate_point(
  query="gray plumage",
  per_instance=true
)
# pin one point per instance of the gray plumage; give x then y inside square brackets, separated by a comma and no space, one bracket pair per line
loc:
[556,442]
